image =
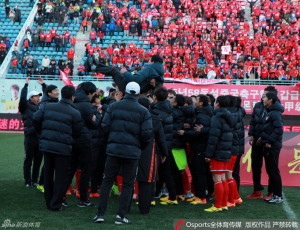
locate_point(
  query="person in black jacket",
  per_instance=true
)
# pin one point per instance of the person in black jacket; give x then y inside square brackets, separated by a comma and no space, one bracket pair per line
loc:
[241,134]
[81,157]
[255,130]
[147,78]
[148,163]
[51,95]
[58,124]
[233,195]
[198,137]
[218,151]
[128,126]
[97,150]
[31,143]
[271,140]
[164,108]
[178,142]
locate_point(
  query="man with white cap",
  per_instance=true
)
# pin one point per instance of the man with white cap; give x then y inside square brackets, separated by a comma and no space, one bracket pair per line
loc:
[27,107]
[128,127]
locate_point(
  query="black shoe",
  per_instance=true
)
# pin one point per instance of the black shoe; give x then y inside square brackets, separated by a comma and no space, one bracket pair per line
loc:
[85,204]
[120,220]
[98,219]
[58,209]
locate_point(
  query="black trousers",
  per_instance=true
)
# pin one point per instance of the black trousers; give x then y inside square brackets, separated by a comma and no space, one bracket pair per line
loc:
[32,155]
[118,78]
[177,176]
[257,162]
[55,179]
[129,172]
[165,176]
[81,159]
[97,165]
[145,196]
[199,177]
[42,176]
[236,171]
[271,159]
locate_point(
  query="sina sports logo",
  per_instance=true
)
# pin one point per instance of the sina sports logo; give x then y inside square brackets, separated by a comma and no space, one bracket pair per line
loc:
[179,224]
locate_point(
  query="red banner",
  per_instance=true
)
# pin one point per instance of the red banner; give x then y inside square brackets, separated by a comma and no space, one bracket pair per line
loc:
[289,162]
[289,95]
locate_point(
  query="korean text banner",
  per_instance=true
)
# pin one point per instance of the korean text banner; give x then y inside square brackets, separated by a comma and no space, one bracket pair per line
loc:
[289,95]
[289,162]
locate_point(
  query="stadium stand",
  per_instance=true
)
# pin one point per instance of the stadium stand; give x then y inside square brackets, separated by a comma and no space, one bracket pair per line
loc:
[193,37]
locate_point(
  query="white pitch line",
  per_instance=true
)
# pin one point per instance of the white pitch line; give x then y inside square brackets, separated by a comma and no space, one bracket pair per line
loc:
[287,208]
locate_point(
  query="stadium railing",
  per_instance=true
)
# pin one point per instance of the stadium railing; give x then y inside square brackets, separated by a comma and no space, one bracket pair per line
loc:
[109,78]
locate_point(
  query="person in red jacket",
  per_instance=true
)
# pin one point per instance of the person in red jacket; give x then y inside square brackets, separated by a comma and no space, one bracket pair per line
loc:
[14,64]
[48,39]
[93,36]
[73,41]
[67,71]
[264,75]
[71,54]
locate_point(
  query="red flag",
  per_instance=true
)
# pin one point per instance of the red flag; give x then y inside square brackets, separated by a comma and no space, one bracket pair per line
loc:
[66,80]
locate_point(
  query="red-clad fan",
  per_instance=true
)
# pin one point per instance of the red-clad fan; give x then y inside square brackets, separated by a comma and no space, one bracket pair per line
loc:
[73,41]
[71,54]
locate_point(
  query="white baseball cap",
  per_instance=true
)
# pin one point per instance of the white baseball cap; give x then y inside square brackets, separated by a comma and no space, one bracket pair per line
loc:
[34,93]
[133,88]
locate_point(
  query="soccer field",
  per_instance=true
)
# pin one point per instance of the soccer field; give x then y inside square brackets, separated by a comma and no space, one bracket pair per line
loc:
[26,205]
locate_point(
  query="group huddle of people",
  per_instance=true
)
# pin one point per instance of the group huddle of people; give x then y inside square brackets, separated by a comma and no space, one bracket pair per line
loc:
[152,139]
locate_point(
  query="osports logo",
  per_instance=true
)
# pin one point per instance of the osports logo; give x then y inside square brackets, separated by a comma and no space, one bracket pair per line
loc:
[179,224]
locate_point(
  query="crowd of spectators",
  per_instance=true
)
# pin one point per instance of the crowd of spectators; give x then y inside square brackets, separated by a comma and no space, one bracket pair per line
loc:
[194,38]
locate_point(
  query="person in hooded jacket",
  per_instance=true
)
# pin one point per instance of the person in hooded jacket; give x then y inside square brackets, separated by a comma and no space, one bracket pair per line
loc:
[149,77]
[198,137]
[178,142]
[233,195]
[27,107]
[256,124]
[51,95]
[164,110]
[241,134]
[58,125]
[150,158]
[218,151]
[81,157]
[271,140]
[97,149]
[128,128]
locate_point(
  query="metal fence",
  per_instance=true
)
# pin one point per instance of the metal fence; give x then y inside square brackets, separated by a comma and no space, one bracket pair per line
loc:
[109,78]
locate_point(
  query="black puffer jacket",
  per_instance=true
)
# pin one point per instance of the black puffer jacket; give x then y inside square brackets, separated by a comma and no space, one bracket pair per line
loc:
[241,130]
[58,124]
[128,126]
[83,104]
[27,109]
[164,109]
[144,76]
[220,136]
[178,121]
[256,120]
[235,131]
[198,140]
[273,126]
[47,99]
